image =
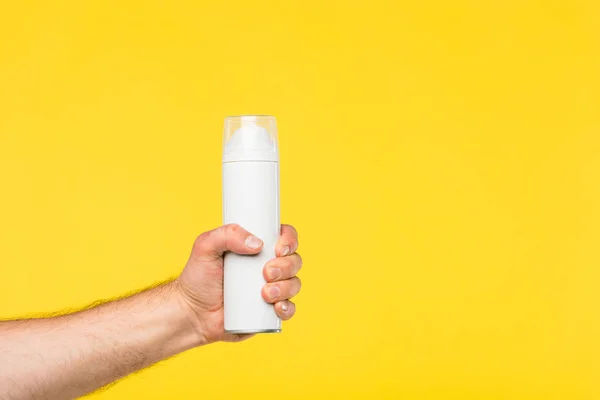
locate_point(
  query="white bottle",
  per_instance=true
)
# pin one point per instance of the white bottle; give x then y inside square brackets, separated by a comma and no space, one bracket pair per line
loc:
[251,199]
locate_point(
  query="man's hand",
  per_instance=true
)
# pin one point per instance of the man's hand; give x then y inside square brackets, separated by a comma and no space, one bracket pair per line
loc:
[201,282]
[70,355]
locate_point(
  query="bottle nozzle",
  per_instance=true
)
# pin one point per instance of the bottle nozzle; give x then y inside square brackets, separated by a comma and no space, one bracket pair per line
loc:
[250,138]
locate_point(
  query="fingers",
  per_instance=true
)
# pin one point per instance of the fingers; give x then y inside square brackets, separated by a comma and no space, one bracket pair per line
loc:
[282,268]
[280,273]
[231,237]
[273,292]
[285,309]
[288,241]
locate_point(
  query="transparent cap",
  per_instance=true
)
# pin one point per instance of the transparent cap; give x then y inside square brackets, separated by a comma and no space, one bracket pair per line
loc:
[250,138]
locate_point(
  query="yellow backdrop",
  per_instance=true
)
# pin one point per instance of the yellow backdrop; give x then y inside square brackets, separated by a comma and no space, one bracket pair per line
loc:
[441,161]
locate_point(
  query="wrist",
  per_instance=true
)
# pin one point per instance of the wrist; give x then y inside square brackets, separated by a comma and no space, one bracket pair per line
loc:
[188,317]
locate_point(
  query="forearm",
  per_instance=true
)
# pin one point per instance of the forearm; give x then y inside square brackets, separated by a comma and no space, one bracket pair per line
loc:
[68,356]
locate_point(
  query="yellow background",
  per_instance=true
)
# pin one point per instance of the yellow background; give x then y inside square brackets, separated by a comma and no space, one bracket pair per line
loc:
[441,161]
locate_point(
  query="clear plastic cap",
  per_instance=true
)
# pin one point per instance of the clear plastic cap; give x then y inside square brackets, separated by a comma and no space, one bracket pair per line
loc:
[250,138]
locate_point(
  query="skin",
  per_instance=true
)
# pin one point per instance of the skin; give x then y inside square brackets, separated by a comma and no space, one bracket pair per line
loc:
[67,356]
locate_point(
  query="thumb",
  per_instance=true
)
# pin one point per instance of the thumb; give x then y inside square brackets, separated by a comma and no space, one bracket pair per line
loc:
[232,237]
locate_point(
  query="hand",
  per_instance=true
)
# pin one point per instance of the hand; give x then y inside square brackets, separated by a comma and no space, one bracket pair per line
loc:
[201,282]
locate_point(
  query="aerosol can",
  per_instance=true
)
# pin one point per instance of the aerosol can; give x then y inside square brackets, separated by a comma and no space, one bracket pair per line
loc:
[250,199]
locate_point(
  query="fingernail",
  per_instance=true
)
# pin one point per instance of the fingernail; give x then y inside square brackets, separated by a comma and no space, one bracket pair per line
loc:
[253,242]
[285,250]
[273,292]
[274,273]
[284,306]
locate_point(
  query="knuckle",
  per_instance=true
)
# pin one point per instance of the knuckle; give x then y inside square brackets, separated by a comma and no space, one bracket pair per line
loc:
[200,242]
[232,229]
[230,232]
[293,264]
[292,231]
[287,263]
